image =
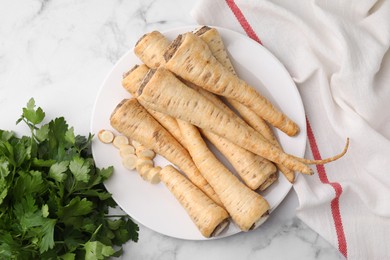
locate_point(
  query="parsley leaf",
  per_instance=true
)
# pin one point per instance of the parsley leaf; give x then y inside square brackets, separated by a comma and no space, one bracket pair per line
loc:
[58,170]
[42,133]
[35,116]
[4,171]
[47,239]
[76,207]
[69,136]
[3,190]
[80,169]
[97,250]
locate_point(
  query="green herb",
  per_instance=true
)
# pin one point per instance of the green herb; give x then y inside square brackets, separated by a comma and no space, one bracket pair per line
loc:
[53,204]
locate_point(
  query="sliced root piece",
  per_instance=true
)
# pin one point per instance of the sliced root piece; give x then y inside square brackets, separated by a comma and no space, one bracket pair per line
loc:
[144,170]
[143,152]
[135,144]
[126,149]
[141,163]
[130,161]
[106,136]
[153,175]
[120,140]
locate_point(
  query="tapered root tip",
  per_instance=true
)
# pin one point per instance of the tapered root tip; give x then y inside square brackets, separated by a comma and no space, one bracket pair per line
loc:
[290,128]
[334,158]
[346,145]
[327,160]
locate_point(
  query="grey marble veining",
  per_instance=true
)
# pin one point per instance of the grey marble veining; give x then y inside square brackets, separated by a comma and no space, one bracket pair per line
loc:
[59,52]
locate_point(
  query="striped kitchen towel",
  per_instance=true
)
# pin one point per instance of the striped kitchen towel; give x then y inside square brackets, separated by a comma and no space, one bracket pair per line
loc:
[337,52]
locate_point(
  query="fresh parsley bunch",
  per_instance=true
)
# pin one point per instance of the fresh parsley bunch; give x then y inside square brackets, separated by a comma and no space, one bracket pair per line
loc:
[53,204]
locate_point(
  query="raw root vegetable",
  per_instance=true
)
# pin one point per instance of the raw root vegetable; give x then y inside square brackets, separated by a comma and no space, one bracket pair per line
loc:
[189,57]
[143,171]
[126,149]
[253,169]
[143,152]
[153,175]
[214,41]
[120,140]
[271,179]
[261,126]
[148,49]
[210,218]
[133,121]
[133,78]
[106,136]
[143,163]
[245,206]
[162,91]
[131,83]
[168,123]
[129,161]
[135,144]
[217,102]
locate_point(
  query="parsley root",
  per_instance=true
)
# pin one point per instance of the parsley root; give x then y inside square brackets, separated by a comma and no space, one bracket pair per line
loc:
[132,120]
[214,41]
[209,217]
[189,57]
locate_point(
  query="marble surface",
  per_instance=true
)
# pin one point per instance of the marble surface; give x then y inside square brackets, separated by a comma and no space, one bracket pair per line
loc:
[59,52]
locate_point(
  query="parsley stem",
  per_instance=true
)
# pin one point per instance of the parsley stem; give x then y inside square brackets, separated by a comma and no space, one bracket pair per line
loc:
[96,231]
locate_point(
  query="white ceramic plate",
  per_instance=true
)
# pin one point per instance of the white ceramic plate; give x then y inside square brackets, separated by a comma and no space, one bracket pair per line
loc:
[152,205]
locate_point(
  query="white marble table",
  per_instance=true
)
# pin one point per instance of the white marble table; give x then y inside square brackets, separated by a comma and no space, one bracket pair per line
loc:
[59,52]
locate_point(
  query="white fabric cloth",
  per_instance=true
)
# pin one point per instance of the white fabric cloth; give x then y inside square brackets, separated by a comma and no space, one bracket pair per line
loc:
[337,52]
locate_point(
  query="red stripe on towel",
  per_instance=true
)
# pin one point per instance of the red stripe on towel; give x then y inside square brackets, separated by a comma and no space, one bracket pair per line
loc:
[335,203]
[242,20]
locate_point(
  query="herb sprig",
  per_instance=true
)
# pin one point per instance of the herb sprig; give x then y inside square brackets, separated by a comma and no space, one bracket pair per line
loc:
[53,204]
